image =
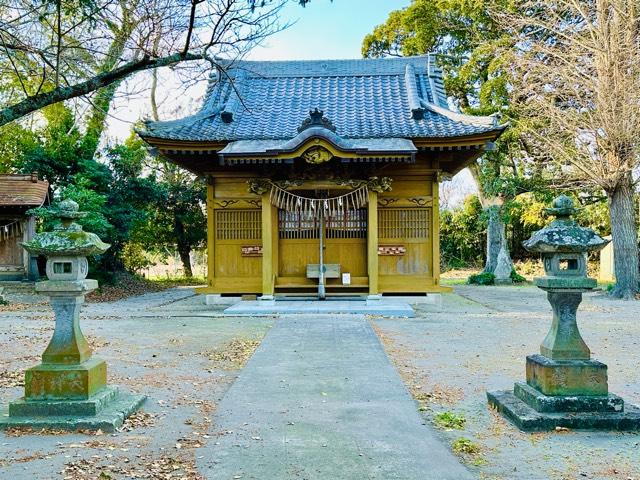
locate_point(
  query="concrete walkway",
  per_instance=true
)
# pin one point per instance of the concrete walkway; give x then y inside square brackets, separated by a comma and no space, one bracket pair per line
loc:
[320,400]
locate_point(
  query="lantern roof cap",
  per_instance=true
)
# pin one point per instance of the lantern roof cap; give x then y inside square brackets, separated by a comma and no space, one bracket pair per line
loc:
[67,239]
[564,235]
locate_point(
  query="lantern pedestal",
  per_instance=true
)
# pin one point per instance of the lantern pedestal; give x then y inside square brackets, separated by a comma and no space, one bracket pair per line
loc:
[68,390]
[564,386]
[547,413]
[105,410]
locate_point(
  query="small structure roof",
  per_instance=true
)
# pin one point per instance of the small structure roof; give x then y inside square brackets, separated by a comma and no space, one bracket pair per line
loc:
[22,191]
[364,99]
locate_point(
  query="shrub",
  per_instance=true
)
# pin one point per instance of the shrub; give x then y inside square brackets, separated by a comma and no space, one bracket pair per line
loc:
[462,238]
[516,277]
[482,279]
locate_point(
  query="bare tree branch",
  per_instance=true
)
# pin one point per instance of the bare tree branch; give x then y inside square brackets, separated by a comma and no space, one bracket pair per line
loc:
[61,50]
[36,102]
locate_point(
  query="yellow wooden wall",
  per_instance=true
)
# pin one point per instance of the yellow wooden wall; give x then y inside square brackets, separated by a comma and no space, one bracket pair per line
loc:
[406,217]
[229,204]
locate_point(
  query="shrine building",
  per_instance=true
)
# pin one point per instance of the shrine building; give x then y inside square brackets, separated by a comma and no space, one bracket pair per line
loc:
[19,194]
[323,175]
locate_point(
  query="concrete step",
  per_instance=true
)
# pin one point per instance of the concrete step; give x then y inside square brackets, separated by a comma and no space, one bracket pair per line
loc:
[13,288]
[389,308]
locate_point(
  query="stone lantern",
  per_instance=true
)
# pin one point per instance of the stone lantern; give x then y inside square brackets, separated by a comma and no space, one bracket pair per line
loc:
[69,388]
[564,386]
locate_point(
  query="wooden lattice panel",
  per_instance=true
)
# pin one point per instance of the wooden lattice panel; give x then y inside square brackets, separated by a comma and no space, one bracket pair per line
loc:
[403,223]
[296,225]
[238,225]
[347,224]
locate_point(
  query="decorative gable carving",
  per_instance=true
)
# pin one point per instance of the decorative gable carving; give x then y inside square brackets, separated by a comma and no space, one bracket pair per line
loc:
[316,118]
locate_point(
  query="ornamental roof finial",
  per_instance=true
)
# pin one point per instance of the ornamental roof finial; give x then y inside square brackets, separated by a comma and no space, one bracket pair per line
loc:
[316,118]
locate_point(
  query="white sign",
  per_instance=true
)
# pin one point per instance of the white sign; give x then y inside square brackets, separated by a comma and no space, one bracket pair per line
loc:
[346,279]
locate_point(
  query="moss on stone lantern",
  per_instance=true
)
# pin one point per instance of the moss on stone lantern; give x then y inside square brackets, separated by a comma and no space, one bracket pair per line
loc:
[564,386]
[69,388]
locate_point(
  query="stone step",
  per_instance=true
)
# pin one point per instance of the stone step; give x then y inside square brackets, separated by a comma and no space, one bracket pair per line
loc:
[9,288]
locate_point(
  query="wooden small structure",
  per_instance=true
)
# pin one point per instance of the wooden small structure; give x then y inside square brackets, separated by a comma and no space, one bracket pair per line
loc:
[316,163]
[18,193]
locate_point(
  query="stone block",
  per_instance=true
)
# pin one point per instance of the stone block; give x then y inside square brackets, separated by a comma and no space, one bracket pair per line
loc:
[530,420]
[111,416]
[428,299]
[373,300]
[567,377]
[545,403]
[218,299]
[267,300]
[41,408]
[65,382]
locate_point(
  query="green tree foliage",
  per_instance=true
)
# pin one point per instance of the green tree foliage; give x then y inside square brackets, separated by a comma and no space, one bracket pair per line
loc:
[129,198]
[178,218]
[56,51]
[461,234]
[470,48]
[467,39]
[114,192]
[462,227]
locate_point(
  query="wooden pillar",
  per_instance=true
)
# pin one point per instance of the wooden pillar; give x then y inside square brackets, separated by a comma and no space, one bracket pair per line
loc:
[211,234]
[30,261]
[269,245]
[372,242]
[435,230]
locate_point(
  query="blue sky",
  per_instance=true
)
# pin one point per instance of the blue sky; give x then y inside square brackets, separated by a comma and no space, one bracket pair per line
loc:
[326,29]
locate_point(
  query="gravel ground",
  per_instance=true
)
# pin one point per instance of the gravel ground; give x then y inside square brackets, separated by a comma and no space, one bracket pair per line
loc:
[185,357]
[477,341]
[159,344]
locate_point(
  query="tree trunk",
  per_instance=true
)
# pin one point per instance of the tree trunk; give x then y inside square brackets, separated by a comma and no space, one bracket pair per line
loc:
[625,240]
[496,232]
[495,237]
[185,257]
[102,102]
[184,248]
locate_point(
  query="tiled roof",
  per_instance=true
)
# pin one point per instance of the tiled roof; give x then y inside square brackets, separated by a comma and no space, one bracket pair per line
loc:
[368,98]
[22,191]
[372,148]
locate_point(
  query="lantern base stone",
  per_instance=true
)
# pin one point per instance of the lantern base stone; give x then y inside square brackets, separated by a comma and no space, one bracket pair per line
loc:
[105,410]
[528,419]
[577,403]
[567,377]
[66,382]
